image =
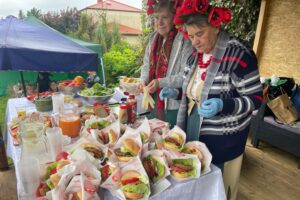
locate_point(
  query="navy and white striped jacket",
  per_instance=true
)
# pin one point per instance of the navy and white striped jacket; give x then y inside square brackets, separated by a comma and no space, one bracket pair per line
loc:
[232,76]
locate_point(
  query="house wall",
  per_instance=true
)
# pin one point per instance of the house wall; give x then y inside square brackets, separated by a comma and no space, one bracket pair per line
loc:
[130,19]
[280,43]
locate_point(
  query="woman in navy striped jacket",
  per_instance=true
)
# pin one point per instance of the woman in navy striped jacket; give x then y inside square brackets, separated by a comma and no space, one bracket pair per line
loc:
[221,89]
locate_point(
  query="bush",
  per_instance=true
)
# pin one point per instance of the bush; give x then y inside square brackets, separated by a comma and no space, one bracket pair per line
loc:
[122,59]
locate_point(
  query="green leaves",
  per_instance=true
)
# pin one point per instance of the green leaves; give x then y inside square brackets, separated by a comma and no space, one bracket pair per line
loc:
[245,16]
[122,60]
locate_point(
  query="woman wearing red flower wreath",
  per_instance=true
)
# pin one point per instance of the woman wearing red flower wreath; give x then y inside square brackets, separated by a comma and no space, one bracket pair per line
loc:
[163,55]
[221,88]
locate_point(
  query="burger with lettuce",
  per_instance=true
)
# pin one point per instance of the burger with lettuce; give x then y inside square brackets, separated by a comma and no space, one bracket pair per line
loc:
[129,149]
[154,168]
[173,142]
[182,168]
[190,149]
[134,185]
[94,150]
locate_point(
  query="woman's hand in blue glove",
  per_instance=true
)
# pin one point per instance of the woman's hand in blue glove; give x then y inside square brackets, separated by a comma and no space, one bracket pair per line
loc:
[211,107]
[168,93]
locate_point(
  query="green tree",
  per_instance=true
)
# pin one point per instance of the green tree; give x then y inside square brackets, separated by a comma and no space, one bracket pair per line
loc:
[65,21]
[35,12]
[86,28]
[21,15]
[121,60]
[107,34]
[115,33]
[102,35]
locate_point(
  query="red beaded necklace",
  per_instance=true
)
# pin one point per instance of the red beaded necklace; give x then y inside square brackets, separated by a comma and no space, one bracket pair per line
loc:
[203,65]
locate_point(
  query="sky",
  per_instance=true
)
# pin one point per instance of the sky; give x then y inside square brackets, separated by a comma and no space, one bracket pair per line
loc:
[12,7]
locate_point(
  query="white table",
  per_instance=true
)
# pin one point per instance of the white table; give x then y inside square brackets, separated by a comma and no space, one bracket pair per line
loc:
[15,151]
[207,187]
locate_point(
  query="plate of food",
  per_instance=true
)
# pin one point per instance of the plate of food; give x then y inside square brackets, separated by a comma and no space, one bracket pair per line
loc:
[129,84]
[72,86]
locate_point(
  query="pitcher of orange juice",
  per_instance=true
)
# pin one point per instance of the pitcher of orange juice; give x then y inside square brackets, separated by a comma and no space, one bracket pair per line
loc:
[69,121]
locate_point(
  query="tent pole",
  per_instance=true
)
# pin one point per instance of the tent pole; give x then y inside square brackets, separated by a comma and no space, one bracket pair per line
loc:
[23,83]
[103,74]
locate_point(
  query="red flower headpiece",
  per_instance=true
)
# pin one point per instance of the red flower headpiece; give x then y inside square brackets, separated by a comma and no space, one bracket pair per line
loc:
[151,4]
[216,15]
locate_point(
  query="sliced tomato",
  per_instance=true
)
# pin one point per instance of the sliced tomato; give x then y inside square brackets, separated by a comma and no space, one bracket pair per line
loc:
[105,172]
[62,155]
[15,128]
[181,168]
[177,169]
[53,171]
[149,168]
[41,190]
[130,180]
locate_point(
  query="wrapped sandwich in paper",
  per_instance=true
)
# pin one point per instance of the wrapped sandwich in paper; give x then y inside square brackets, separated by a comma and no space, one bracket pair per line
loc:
[174,140]
[133,182]
[51,178]
[111,182]
[155,142]
[127,147]
[95,123]
[185,167]
[107,170]
[90,172]
[144,130]
[93,147]
[159,126]
[108,135]
[157,169]
[81,187]
[200,149]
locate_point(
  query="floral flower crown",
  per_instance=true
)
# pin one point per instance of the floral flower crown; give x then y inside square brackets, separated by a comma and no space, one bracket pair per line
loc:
[216,15]
[173,3]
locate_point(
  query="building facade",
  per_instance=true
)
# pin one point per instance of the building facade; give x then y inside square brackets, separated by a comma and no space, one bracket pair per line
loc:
[127,18]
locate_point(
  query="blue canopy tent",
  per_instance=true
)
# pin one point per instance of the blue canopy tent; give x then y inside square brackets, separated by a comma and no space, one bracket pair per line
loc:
[95,47]
[25,46]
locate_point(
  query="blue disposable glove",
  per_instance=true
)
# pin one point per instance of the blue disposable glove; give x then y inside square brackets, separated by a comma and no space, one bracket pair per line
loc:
[211,107]
[168,93]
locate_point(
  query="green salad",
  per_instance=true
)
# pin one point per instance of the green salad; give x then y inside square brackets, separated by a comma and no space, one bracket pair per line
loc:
[97,90]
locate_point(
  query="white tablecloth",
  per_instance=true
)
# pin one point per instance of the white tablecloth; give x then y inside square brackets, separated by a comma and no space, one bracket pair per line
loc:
[15,151]
[207,187]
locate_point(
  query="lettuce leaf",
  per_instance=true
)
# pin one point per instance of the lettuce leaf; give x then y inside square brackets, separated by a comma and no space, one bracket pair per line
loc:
[140,188]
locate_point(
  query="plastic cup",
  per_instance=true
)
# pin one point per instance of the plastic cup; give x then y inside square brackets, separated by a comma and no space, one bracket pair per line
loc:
[29,175]
[54,138]
[57,101]
[21,111]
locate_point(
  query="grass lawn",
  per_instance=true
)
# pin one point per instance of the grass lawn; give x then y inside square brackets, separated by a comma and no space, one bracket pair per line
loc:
[3,101]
